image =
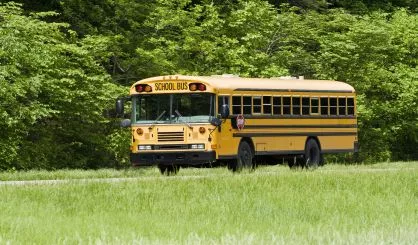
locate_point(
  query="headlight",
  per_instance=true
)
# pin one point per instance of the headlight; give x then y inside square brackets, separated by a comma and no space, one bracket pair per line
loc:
[197,146]
[144,147]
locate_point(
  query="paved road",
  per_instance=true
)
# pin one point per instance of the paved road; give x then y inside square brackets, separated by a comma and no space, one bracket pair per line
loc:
[150,178]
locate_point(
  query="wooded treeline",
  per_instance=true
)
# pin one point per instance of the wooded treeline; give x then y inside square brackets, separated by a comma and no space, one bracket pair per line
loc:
[63,63]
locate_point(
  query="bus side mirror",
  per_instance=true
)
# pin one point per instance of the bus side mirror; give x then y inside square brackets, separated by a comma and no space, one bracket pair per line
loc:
[216,121]
[225,111]
[125,123]
[119,107]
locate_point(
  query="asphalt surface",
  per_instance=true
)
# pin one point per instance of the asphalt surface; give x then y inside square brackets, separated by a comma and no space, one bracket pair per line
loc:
[150,178]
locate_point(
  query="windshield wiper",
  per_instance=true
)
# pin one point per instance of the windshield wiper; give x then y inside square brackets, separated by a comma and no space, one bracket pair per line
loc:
[156,120]
[180,116]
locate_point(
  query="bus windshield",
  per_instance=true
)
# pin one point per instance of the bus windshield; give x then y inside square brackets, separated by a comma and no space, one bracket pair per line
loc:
[173,108]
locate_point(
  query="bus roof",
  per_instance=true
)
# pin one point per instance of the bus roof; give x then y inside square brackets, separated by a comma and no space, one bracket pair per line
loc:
[235,83]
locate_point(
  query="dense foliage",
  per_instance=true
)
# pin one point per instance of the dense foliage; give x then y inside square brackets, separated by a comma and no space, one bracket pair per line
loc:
[53,93]
[57,80]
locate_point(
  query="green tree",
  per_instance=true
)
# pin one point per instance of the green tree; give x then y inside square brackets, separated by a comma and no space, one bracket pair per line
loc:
[53,94]
[207,38]
[377,55]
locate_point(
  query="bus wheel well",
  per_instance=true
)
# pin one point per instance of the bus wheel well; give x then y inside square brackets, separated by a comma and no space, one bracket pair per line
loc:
[316,139]
[250,142]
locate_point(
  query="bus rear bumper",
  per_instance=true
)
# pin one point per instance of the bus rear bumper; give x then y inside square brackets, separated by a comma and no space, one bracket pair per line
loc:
[169,158]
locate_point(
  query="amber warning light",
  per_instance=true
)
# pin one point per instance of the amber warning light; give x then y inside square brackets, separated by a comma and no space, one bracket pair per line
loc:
[197,86]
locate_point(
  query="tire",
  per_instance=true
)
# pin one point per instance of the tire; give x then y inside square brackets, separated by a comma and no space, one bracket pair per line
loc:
[312,157]
[244,158]
[295,162]
[291,162]
[168,169]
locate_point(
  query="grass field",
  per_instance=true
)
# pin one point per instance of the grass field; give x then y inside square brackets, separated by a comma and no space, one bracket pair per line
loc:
[342,204]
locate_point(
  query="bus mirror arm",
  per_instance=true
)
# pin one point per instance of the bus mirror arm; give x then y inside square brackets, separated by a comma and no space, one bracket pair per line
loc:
[217,123]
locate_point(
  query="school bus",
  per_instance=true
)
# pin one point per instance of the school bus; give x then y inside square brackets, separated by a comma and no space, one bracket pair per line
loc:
[193,120]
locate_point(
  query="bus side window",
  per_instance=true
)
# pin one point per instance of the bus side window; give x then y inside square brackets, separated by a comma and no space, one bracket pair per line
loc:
[286,105]
[333,106]
[236,105]
[246,104]
[324,106]
[350,106]
[267,105]
[342,106]
[315,105]
[305,105]
[296,105]
[257,105]
[222,100]
[277,105]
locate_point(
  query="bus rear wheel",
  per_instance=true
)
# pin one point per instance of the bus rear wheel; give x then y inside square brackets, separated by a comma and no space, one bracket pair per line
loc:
[244,158]
[312,157]
[168,169]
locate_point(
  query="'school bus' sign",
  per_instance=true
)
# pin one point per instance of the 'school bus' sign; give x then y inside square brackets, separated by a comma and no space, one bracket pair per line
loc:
[171,86]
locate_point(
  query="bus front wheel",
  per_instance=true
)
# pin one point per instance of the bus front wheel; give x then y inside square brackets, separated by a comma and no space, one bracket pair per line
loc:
[312,157]
[168,169]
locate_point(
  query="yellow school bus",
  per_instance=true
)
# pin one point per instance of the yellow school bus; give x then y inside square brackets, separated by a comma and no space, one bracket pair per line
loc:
[193,120]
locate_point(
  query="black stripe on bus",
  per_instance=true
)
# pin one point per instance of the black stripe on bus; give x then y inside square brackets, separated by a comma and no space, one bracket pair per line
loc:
[293,117]
[302,126]
[294,90]
[226,157]
[284,153]
[294,134]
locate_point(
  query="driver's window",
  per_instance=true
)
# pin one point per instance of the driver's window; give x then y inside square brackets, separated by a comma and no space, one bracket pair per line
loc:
[222,100]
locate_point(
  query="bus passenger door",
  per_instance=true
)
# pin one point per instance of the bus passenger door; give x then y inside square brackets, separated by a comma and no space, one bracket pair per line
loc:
[225,140]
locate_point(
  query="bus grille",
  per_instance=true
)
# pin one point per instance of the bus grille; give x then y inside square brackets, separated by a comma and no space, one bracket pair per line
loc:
[171,147]
[170,136]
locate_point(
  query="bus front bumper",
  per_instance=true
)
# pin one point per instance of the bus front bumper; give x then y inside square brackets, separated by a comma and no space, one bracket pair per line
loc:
[169,158]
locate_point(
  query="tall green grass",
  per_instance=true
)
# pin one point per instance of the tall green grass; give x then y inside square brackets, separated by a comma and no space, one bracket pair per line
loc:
[335,204]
